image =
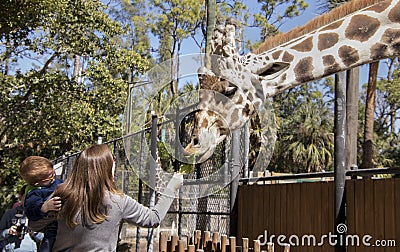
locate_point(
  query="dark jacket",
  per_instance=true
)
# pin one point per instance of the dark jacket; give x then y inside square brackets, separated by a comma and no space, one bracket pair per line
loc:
[36,197]
[33,204]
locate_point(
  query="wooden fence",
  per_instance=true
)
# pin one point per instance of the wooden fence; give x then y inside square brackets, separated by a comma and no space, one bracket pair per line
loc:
[205,242]
[296,213]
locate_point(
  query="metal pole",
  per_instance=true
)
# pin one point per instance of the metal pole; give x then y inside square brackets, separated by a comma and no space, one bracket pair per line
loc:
[140,187]
[177,164]
[235,168]
[152,183]
[246,138]
[340,158]
[353,82]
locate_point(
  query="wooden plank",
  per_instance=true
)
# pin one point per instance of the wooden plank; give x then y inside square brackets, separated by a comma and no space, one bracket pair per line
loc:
[267,217]
[307,207]
[191,248]
[359,210]
[181,246]
[256,246]
[270,247]
[174,242]
[268,214]
[397,208]
[207,238]
[390,208]
[163,240]
[277,207]
[379,211]
[369,223]
[197,239]
[245,246]
[317,213]
[350,212]
[296,213]
[326,219]
[232,243]
[290,209]
[332,208]
[283,210]
[215,241]
[331,212]
[224,242]
[240,212]
[249,202]
[259,211]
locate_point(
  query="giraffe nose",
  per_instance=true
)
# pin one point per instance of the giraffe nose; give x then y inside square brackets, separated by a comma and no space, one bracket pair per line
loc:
[196,140]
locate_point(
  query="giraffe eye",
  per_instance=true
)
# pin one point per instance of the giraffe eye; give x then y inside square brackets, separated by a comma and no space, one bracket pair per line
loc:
[230,91]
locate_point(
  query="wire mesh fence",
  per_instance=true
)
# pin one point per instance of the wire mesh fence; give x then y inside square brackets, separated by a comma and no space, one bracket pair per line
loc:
[208,213]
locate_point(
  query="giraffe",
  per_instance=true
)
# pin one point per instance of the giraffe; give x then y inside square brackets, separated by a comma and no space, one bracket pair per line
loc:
[368,34]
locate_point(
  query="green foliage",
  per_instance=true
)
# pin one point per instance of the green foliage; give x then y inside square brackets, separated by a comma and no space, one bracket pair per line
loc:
[270,19]
[305,135]
[64,73]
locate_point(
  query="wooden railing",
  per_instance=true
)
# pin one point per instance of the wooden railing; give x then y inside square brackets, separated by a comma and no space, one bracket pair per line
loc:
[207,242]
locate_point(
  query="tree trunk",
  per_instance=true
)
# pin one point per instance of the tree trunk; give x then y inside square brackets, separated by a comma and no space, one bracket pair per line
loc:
[211,6]
[353,76]
[368,148]
[77,67]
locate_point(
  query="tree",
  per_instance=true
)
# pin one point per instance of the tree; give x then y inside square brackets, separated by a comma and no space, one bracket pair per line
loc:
[47,108]
[270,20]
[368,147]
[386,110]
[305,135]
[174,22]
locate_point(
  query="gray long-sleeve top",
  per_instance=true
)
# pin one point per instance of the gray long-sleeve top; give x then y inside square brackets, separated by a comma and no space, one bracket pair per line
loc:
[104,236]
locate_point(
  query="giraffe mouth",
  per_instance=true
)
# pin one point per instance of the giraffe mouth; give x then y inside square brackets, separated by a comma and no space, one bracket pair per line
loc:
[205,140]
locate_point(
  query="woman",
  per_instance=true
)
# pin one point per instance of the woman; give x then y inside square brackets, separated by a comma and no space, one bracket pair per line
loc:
[93,208]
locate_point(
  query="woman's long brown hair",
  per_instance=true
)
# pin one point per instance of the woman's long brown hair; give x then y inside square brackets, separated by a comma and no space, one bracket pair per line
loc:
[86,185]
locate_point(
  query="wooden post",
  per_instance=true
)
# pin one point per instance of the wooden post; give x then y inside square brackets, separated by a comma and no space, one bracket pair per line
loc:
[245,244]
[207,238]
[191,248]
[256,246]
[181,246]
[224,241]
[215,238]
[174,242]
[286,248]
[197,239]
[163,241]
[270,247]
[232,243]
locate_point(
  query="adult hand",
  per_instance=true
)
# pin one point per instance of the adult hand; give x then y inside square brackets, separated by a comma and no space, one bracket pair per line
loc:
[52,204]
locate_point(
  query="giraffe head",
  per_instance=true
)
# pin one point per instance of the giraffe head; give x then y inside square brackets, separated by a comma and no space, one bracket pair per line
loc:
[222,107]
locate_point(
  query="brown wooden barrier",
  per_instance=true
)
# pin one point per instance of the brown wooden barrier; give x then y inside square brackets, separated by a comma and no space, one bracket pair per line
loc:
[306,210]
[210,243]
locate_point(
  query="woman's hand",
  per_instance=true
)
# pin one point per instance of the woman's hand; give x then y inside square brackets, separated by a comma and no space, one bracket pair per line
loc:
[53,204]
[176,182]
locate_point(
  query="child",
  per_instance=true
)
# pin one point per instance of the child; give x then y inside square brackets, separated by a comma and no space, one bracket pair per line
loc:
[39,173]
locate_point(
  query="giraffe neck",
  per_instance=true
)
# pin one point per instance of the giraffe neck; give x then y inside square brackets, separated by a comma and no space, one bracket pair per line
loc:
[368,35]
